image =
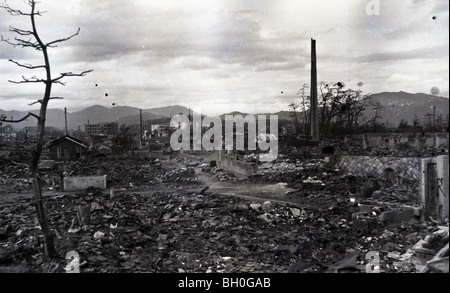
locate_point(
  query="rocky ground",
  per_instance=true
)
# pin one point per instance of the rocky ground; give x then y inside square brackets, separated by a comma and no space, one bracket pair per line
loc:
[172,219]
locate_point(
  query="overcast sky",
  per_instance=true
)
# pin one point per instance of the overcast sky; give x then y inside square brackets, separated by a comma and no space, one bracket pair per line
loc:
[224,55]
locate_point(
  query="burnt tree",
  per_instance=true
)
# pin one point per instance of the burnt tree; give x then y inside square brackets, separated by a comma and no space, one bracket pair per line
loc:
[30,39]
[340,109]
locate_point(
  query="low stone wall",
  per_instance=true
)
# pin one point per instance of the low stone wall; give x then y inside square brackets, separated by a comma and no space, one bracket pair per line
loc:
[81,183]
[407,168]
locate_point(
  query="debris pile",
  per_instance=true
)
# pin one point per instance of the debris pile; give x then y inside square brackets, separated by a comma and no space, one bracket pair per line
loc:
[14,177]
[180,231]
[223,174]
[182,175]
[431,252]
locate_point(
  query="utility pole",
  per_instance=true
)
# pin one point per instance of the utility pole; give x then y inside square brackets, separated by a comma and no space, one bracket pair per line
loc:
[313,94]
[65,119]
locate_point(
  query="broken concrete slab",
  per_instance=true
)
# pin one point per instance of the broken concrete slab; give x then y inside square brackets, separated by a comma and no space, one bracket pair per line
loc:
[117,192]
[255,206]
[440,265]
[295,212]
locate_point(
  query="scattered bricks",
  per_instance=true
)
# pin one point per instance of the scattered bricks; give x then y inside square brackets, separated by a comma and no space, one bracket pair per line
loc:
[391,217]
[115,193]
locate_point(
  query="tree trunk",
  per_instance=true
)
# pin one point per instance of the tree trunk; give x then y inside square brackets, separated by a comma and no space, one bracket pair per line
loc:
[49,244]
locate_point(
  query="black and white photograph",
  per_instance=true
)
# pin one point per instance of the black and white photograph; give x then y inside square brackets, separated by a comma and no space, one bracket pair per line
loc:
[224,143]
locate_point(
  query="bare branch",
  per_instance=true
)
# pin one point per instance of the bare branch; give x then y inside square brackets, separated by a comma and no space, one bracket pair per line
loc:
[21,42]
[16,12]
[35,102]
[63,39]
[28,66]
[60,82]
[28,80]
[3,119]
[65,74]
[40,101]
[20,31]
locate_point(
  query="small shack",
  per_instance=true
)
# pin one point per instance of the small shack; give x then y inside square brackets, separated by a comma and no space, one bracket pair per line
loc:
[67,148]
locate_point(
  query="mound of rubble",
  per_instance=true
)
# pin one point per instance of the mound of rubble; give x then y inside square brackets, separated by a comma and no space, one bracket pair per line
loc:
[184,231]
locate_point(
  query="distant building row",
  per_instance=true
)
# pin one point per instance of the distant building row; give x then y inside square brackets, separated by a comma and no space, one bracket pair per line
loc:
[106,128]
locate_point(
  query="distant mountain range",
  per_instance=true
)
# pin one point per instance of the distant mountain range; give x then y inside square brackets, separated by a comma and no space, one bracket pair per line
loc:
[96,114]
[405,106]
[397,106]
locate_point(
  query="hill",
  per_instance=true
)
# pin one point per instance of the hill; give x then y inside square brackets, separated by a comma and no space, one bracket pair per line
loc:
[399,106]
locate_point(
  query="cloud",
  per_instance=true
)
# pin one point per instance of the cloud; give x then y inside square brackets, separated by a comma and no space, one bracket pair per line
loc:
[223,55]
[421,53]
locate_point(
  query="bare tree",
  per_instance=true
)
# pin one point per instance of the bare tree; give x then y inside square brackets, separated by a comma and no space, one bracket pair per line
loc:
[295,114]
[31,39]
[340,109]
[377,108]
[305,105]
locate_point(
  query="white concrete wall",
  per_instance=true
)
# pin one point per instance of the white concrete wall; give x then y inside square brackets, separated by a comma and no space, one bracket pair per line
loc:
[81,183]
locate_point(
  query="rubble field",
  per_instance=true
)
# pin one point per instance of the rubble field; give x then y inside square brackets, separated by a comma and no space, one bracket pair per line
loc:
[169,220]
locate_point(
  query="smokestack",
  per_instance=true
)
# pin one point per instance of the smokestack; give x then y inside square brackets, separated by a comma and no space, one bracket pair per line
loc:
[65,119]
[313,94]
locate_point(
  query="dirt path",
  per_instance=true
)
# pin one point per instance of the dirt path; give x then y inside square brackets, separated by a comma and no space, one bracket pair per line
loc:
[247,190]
